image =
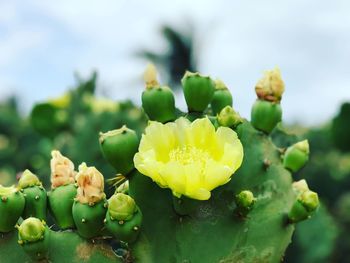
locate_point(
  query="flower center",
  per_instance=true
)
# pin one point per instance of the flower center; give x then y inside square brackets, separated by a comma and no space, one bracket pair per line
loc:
[189,154]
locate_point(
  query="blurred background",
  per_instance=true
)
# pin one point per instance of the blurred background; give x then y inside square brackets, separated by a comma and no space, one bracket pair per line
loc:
[59,62]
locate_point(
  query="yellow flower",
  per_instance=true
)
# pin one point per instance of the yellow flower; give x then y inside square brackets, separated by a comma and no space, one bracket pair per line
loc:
[189,158]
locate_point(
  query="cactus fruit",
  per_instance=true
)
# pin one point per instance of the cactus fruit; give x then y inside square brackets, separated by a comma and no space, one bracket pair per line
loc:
[63,190]
[198,91]
[11,207]
[296,156]
[123,218]
[157,101]
[267,111]
[34,194]
[33,236]
[306,203]
[89,208]
[118,147]
[222,97]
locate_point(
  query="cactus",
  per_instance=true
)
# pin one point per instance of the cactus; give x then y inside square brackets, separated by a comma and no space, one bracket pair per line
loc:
[201,188]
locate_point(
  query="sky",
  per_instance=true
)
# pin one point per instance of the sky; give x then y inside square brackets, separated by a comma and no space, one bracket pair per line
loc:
[42,44]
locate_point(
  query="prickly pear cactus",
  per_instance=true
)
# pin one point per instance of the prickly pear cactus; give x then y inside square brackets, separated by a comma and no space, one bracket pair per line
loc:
[203,186]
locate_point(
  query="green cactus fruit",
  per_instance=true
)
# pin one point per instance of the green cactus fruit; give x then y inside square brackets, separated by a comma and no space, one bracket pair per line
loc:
[266,115]
[229,118]
[89,218]
[157,101]
[123,218]
[61,201]
[222,97]
[307,202]
[12,205]
[245,201]
[34,194]
[198,91]
[33,236]
[90,206]
[119,147]
[296,156]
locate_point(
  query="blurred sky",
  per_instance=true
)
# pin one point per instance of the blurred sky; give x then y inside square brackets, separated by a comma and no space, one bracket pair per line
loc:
[43,42]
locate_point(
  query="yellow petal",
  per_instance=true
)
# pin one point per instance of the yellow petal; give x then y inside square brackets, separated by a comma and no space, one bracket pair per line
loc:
[202,134]
[174,175]
[216,174]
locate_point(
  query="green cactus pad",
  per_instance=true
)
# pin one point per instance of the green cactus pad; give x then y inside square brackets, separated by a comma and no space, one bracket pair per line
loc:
[89,219]
[64,246]
[159,103]
[198,91]
[61,201]
[12,204]
[266,115]
[118,147]
[36,202]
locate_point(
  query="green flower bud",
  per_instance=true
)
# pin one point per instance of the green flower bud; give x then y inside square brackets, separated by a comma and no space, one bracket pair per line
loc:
[33,236]
[306,203]
[28,179]
[245,201]
[229,118]
[157,101]
[222,97]
[198,91]
[266,115]
[31,230]
[310,201]
[119,147]
[121,207]
[296,156]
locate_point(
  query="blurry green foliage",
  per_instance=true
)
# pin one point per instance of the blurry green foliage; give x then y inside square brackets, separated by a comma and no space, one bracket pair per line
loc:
[70,123]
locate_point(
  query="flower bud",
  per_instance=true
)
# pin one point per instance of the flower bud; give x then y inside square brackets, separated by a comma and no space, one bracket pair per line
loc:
[245,201]
[31,230]
[296,156]
[28,179]
[222,97]
[229,118]
[119,147]
[121,207]
[90,185]
[62,170]
[306,203]
[310,201]
[33,236]
[157,101]
[198,91]
[271,86]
